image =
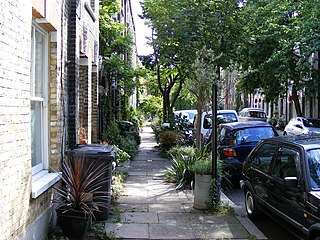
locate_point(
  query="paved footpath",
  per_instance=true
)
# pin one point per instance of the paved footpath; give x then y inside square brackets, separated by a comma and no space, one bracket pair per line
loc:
[151,209]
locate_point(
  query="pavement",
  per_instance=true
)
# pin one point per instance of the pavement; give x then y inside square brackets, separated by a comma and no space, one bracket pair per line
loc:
[150,208]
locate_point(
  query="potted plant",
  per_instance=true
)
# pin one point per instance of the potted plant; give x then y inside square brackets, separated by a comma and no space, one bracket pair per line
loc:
[207,191]
[79,195]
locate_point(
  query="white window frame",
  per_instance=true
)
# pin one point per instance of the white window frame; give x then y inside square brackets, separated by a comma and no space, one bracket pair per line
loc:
[43,100]
[42,180]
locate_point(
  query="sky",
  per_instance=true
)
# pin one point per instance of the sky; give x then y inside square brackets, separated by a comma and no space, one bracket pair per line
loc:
[141,29]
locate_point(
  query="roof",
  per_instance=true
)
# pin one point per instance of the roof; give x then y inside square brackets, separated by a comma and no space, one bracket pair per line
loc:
[306,140]
[252,109]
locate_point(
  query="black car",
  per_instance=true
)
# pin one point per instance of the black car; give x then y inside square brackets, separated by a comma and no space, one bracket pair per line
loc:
[281,178]
[236,140]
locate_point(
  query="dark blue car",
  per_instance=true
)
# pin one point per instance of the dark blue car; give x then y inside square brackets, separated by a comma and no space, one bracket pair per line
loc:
[236,140]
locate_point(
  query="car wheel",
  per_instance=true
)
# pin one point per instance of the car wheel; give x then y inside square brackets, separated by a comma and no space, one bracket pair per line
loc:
[252,206]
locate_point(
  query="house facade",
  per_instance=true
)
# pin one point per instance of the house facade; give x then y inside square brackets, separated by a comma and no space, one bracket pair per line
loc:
[48,102]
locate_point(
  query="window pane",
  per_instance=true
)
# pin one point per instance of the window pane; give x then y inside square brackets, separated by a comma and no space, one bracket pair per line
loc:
[262,160]
[314,167]
[36,123]
[39,63]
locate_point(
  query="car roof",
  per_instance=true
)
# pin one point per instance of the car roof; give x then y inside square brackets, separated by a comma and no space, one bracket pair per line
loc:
[221,111]
[307,141]
[236,125]
[252,109]
[185,111]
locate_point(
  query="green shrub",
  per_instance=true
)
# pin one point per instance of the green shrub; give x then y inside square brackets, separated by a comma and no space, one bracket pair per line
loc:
[121,155]
[126,142]
[112,135]
[180,171]
[169,139]
[129,145]
[181,150]
[202,167]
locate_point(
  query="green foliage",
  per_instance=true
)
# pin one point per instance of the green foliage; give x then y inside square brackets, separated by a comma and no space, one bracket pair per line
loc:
[186,100]
[125,141]
[180,171]
[112,134]
[215,192]
[129,144]
[117,185]
[202,167]
[181,150]
[273,121]
[168,139]
[151,106]
[97,230]
[279,46]
[121,156]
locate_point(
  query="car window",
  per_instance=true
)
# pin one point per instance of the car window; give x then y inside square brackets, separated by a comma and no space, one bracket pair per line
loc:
[226,118]
[313,157]
[307,123]
[249,135]
[315,122]
[285,163]
[207,121]
[263,157]
[221,136]
[257,114]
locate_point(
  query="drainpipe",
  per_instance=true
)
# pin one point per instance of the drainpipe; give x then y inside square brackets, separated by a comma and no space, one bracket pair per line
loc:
[73,69]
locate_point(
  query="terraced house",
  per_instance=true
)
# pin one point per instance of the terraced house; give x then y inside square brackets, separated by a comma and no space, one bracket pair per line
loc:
[48,93]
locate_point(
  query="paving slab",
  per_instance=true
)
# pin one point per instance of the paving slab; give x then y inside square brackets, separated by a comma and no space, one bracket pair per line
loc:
[139,217]
[128,231]
[133,207]
[220,231]
[164,207]
[170,231]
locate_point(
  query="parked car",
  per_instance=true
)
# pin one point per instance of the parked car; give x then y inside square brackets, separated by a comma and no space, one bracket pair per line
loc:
[252,114]
[223,116]
[281,178]
[302,125]
[236,140]
[189,114]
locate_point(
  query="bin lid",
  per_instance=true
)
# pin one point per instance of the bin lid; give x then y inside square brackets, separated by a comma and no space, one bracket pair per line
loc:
[93,150]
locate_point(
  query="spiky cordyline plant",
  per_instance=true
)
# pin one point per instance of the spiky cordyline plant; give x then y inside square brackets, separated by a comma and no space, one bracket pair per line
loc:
[82,181]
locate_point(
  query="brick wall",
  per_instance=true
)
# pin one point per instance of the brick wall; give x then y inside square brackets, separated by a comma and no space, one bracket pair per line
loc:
[18,210]
[15,162]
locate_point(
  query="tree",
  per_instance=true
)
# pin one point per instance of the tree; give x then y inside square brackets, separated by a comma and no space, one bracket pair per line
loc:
[116,50]
[279,47]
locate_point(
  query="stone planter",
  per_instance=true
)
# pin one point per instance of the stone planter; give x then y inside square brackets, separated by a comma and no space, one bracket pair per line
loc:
[201,191]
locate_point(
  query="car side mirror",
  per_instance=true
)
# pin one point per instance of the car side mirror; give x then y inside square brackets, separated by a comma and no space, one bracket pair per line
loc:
[291,181]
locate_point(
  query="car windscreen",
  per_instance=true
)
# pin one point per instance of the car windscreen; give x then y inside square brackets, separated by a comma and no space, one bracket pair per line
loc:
[313,157]
[221,118]
[257,114]
[307,123]
[253,134]
[315,122]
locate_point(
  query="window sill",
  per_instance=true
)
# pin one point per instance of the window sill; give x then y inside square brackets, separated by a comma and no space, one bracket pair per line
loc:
[42,181]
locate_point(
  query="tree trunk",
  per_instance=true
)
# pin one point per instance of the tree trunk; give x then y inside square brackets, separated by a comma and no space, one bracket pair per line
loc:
[296,101]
